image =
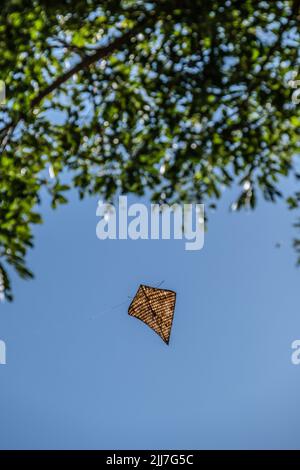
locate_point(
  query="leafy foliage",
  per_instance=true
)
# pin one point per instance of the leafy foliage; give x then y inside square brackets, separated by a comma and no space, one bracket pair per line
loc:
[179,98]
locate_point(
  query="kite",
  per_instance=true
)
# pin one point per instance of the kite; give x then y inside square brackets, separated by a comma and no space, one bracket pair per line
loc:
[155,307]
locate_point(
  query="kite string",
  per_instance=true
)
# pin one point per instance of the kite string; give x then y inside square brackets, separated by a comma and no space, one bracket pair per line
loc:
[108,310]
[160,284]
[114,307]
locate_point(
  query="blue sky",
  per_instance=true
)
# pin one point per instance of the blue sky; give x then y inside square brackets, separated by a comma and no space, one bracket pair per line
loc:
[82,374]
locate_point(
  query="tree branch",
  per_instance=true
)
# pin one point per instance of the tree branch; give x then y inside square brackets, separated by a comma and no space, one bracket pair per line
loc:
[85,63]
[88,60]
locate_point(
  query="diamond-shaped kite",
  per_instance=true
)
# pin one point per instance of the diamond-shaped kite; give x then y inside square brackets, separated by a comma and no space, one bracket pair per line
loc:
[155,307]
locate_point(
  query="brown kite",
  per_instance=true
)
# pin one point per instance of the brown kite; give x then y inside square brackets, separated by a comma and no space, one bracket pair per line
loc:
[155,307]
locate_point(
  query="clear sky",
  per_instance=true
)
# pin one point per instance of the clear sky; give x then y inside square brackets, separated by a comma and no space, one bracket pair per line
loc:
[81,373]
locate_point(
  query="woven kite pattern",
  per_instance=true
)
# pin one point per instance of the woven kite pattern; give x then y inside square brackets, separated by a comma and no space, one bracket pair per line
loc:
[155,307]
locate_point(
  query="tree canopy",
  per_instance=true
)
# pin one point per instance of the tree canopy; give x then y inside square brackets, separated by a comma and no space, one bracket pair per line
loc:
[176,98]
